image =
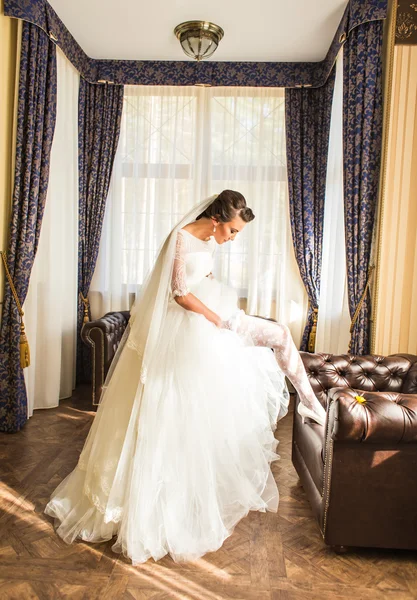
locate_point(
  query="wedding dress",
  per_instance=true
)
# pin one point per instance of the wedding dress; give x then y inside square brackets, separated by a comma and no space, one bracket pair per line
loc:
[174,470]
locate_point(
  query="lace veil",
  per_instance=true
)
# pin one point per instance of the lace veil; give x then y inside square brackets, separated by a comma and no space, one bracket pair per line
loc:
[149,310]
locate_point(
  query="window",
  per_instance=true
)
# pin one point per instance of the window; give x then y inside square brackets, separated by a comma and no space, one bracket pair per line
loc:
[180,144]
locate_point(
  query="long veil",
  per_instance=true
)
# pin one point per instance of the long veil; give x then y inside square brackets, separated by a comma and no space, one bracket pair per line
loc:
[105,460]
[149,310]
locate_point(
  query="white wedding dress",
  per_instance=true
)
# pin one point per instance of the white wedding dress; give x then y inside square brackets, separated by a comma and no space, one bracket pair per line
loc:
[174,471]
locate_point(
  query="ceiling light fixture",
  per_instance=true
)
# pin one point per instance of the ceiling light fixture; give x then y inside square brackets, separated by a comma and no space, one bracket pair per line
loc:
[199,39]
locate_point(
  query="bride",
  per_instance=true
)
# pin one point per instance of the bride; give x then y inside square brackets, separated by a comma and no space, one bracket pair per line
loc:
[181,445]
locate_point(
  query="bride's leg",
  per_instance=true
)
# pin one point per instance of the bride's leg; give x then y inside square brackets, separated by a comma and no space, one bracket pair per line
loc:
[278,337]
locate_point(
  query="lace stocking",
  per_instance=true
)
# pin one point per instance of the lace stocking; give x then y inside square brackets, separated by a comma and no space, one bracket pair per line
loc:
[278,337]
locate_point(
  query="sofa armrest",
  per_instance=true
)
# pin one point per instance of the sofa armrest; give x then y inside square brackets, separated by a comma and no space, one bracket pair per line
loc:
[103,336]
[373,417]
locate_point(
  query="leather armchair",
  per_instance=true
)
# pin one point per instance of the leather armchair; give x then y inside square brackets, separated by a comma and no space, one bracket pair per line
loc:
[359,471]
[103,337]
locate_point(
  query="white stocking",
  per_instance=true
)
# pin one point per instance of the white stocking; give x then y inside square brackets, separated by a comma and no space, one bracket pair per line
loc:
[276,336]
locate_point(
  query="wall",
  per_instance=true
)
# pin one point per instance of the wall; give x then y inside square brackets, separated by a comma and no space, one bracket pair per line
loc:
[396,316]
[8,64]
[396,299]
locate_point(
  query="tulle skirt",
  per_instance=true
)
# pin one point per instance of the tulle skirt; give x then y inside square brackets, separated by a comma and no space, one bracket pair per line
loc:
[173,468]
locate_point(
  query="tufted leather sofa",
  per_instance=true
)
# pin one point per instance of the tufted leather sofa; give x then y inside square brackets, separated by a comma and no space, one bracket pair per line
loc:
[103,337]
[359,471]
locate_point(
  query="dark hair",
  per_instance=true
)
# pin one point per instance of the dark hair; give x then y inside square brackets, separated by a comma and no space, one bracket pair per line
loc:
[226,206]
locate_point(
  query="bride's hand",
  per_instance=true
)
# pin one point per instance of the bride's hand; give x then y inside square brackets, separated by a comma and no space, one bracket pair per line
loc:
[218,322]
[225,324]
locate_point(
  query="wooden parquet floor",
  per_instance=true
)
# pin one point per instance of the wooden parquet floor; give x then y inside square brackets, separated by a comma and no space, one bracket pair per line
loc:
[269,556]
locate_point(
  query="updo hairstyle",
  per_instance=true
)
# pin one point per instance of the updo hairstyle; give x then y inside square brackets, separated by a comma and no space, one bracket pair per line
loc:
[226,206]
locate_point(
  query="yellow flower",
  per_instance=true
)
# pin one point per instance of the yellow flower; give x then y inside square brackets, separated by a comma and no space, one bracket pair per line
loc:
[360,399]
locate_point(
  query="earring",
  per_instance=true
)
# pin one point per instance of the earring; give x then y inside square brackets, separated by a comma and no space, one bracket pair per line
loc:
[214,229]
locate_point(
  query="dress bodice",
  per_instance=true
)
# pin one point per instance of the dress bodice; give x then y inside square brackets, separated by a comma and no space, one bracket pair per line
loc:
[193,261]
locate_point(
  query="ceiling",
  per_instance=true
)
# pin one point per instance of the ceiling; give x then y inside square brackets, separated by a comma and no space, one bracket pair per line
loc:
[266,30]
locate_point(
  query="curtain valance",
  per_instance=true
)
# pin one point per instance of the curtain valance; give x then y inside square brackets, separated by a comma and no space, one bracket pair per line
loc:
[137,72]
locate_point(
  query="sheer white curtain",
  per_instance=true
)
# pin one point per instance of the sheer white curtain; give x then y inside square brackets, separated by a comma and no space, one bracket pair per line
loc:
[178,145]
[51,304]
[334,320]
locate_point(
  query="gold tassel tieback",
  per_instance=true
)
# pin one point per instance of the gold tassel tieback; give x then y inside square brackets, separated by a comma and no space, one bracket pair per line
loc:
[24,344]
[24,347]
[313,332]
[86,302]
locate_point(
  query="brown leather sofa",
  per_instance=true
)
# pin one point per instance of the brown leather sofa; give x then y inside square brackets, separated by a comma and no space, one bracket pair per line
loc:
[103,337]
[359,471]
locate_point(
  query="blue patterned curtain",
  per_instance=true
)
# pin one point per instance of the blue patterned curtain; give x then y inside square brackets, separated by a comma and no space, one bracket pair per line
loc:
[362,139]
[307,122]
[99,118]
[35,130]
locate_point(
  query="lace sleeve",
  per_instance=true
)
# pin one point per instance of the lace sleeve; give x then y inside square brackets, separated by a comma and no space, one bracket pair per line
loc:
[178,282]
